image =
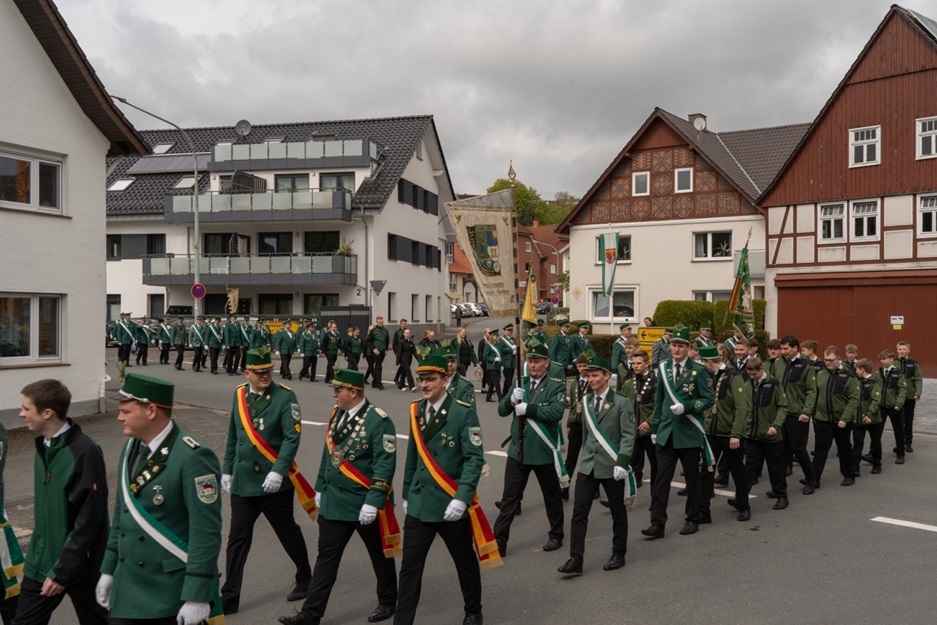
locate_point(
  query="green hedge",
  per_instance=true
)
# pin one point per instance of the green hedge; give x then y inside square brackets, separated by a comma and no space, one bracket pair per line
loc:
[690,313]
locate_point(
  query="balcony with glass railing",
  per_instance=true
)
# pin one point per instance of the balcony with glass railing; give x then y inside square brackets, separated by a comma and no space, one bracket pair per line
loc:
[283,205]
[286,269]
[314,154]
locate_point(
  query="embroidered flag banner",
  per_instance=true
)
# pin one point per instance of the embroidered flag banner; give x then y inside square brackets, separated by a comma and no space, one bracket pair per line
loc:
[608,243]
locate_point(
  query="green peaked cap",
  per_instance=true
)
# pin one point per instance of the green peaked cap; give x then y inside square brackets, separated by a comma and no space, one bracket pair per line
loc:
[709,352]
[348,379]
[146,389]
[259,359]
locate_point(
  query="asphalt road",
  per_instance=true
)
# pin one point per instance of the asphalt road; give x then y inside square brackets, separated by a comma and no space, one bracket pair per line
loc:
[823,560]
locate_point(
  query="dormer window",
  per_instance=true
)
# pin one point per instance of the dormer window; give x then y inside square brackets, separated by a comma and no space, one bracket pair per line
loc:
[162,148]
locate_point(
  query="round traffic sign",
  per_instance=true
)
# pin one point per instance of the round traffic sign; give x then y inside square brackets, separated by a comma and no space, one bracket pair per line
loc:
[554,300]
[198,290]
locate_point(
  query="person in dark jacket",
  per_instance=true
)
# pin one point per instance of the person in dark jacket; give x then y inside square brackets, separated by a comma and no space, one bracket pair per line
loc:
[465,351]
[405,351]
[70,535]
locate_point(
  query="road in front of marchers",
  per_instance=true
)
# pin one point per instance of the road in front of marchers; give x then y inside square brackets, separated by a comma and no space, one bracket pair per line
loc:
[823,560]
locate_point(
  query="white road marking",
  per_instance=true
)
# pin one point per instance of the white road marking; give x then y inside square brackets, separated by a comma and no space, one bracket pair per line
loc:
[496,452]
[403,436]
[718,491]
[313,422]
[911,524]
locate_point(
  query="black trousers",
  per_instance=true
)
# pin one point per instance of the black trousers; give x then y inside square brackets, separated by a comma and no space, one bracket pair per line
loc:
[908,410]
[573,447]
[213,353]
[197,358]
[180,355]
[143,350]
[309,367]
[243,358]
[735,464]
[463,367]
[667,458]
[824,434]
[231,357]
[369,372]
[897,425]
[515,482]
[164,353]
[417,539]
[643,445]
[722,468]
[285,358]
[508,381]
[353,360]
[377,376]
[586,488]
[875,446]
[330,366]
[123,352]
[484,386]
[404,377]
[793,432]
[333,538]
[494,383]
[34,609]
[772,454]
[8,609]
[278,509]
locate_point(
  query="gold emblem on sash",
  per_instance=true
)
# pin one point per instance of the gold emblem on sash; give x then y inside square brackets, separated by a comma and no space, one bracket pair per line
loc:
[337,456]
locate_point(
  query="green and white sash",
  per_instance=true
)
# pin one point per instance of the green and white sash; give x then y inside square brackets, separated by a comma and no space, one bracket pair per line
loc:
[707,450]
[215,332]
[591,419]
[541,431]
[201,340]
[126,329]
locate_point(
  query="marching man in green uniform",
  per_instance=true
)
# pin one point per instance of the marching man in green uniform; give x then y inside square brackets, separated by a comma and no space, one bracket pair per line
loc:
[197,341]
[537,333]
[164,340]
[619,355]
[331,345]
[215,343]
[834,415]
[684,394]
[660,350]
[508,357]
[492,358]
[284,343]
[161,562]
[263,438]
[607,443]
[641,390]
[178,341]
[581,342]
[561,348]
[125,333]
[705,337]
[536,407]
[143,337]
[261,334]
[353,493]
[443,466]
[247,337]
[232,344]
[308,346]
[870,419]
[457,386]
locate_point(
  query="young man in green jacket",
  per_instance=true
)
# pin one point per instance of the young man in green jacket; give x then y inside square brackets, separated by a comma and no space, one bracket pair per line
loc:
[834,415]
[868,418]
[911,371]
[894,395]
[70,534]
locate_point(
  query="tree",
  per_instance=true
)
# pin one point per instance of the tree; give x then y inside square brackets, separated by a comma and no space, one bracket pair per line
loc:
[527,201]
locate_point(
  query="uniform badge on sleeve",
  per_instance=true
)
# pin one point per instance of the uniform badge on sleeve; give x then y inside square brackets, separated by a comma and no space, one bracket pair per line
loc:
[475,436]
[294,411]
[390,443]
[206,487]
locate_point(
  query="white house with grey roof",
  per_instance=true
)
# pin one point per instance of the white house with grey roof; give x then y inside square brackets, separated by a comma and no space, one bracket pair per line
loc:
[296,216]
[682,199]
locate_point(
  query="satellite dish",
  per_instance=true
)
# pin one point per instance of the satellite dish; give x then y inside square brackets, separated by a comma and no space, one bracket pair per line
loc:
[699,123]
[243,128]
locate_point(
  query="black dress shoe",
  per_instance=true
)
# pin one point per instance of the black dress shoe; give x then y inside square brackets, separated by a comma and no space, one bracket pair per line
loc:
[381,612]
[682,492]
[654,531]
[815,484]
[745,515]
[300,590]
[603,503]
[907,446]
[876,469]
[721,481]
[553,544]
[731,502]
[772,495]
[790,471]
[230,606]
[704,518]
[473,619]
[868,458]
[809,489]
[615,561]
[899,460]
[571,567]
[781,503]
[691,527]
[298,619]
[848,481]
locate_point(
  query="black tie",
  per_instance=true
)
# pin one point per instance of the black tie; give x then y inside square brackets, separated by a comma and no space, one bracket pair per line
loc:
[430,413]
[676,372]
[598,404]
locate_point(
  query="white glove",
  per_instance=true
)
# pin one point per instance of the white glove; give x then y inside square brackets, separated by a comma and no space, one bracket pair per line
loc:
[520,409]
[272,482]
[653,439]
[403,502]
[318,500]
[226,482]
[619,473]
[103,590]
[367,515]
[517,396]
[160,344]
[454,510]
[514,349]
[497,360]
[193,613]
[278,353]
[677,408]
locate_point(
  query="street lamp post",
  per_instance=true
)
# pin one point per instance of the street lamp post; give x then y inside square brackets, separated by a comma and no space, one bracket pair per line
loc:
[196,303]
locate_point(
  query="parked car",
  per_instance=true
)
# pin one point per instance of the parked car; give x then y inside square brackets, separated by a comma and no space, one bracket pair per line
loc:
[475,309]
[544,308]
[484,310]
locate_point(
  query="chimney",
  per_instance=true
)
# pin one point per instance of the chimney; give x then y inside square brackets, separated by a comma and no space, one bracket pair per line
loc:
[692,117]
[535,224]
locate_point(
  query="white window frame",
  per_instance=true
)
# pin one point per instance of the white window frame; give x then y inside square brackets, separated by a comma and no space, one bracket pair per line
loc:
[709,258]
[709,296]
[865,216]
[931,199]
[600,254]
[862,137]
[926,127]
[842,217]
[450,252]
[33,357]
[597,291]
[527,246]
[453,283]
[35,160]
[634,178]
[676,177]
[552,269]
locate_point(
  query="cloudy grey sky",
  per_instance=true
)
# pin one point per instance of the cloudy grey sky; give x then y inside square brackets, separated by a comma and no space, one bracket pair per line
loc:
[559,87]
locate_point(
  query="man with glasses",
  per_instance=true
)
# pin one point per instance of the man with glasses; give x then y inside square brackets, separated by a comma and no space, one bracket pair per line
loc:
[263,438]
[834,415]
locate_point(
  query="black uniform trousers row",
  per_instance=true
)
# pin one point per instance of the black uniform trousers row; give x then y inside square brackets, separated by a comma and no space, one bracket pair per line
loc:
[494,383]
[377,373]
[197,358]
[180,355]
[644,446]
[515,481]
[353,360]
[34,609]
[735,463]
[772,454]
[825,433]
[309,367]
[330,366]
[278,509]
[213,353]
[143,350]
[232,358]
[285,359]
[667,458]
[164,353]
[418,537]
[586,488]
[333,538]
[404,377]
[795,435]
[875,432]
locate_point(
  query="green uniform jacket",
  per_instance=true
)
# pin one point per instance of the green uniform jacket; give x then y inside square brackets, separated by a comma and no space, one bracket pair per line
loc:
[616,419]
[378,338]
[247,335]
[178,333]
[354,346]
[372,449]
[540,336]
[912,373]
[580,343]
[870,399]
[758,410]
[142,333]
[331,342]
[561,350]
[165,333]
[214,336]
[232,334]
[149,582]
[619,357]
[641,391]
[276,417]
[546,406]
[492,356]
[776,367]
[507,347]
[125,331]
[284,341]
[578,388]
[721,418]
[307,342]
[461,389]
[837,397]
[800,386]
[894,387]
[702,341]
[454,439]
[693,389]
[660,351]
[198,336]
[260,336]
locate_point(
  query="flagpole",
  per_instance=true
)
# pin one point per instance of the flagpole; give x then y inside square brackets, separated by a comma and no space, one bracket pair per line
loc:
[519,356]
[736,286]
